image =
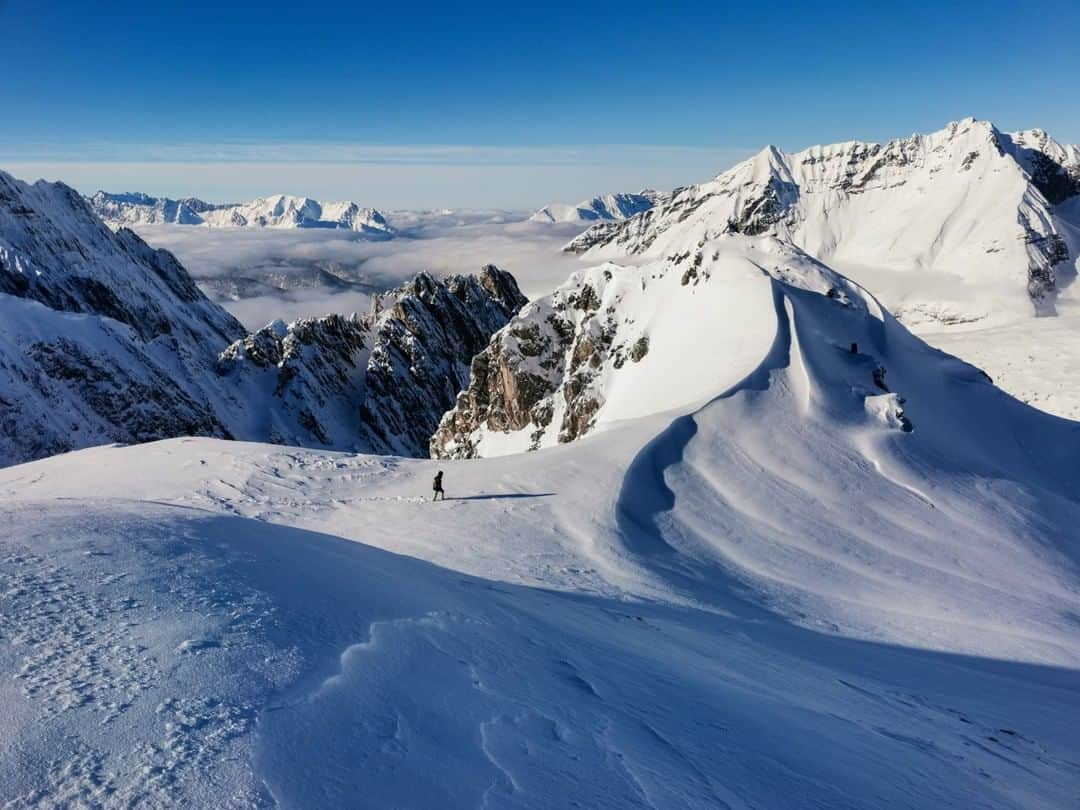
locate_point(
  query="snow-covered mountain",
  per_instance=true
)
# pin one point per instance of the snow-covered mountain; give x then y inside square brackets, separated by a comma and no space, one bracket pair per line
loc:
[983,222]
[786,594]
[277,211]
[775,551]
[103,339]
[135,208]
[377,382]
[621,342]
[607,207]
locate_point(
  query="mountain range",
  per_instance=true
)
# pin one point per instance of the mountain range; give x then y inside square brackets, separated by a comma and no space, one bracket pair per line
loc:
[613,343]
[107,340]
[774,549]
[277,211]
[984,223]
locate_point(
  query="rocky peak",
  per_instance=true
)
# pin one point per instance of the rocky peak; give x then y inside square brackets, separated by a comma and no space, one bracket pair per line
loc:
[614,343]
[964,199]
[377,382]
[1054,167]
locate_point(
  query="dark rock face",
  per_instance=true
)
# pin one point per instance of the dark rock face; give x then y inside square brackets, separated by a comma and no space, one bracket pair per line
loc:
[764,211]
[142,408]
[1056,182]
[378,382]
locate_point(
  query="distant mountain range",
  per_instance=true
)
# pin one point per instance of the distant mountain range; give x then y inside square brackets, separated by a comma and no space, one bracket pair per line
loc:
[106,339]
[277,211]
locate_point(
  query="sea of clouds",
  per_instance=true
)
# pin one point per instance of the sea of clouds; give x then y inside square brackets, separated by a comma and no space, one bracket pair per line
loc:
[262,274]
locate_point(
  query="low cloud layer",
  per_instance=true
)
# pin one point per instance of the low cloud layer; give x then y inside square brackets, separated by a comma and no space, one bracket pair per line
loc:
[261,274]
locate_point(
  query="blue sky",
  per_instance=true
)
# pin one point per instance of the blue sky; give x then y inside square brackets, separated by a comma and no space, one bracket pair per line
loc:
[501,105]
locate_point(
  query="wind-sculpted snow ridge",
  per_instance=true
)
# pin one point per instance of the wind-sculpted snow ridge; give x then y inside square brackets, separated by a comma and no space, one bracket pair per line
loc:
[762,604]
[102,338]
[615,343]
[799,558]
[607,207]
[277,211]
[969,202]
[377,382]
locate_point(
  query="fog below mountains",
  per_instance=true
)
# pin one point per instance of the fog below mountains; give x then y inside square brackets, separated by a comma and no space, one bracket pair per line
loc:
[262,274]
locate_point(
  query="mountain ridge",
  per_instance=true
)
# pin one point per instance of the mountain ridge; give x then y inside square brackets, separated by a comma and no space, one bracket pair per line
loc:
[275,211]
[607,207]
[104,339]
[966,200]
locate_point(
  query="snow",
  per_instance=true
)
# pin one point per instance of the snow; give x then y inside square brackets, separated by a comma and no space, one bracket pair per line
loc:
[1036,360]
[198,621]
[939,226]
[776,598]
[782,572]
[609,207]
[957,202]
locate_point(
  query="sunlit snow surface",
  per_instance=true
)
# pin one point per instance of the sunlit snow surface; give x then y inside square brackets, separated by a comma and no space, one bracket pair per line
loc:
[777,599]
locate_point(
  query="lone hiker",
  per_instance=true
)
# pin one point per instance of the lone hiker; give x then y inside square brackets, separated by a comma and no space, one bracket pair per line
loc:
[437,486]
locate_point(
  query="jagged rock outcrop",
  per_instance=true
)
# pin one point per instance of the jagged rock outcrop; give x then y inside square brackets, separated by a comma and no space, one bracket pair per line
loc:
[377,382]
[277,211]
[968,201]
[1054,167]
[102,338]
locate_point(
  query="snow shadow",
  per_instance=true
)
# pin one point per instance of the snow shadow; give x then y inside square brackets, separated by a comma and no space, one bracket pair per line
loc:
[498,496]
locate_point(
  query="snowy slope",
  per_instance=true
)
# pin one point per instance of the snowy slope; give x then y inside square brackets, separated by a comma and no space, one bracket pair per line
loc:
[607,207]
[957,210]
[774,602]
[277,211]
[793,589]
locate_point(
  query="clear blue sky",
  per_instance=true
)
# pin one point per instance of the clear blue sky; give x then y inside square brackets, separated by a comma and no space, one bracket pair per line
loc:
[231,99]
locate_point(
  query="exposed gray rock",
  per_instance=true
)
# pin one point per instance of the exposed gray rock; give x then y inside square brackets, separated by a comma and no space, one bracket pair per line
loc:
[377,382]
[542,372]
